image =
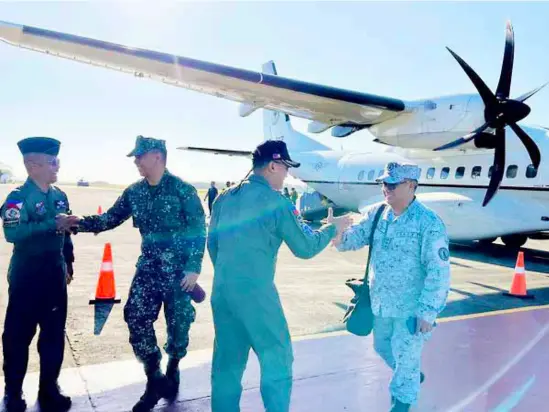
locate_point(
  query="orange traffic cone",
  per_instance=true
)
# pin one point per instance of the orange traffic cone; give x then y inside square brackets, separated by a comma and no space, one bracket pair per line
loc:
[99,210]
[518,287]
[106,290]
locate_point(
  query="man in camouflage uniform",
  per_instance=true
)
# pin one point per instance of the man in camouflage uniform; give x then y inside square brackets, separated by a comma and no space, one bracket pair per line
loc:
[409,277]
[35,220]
[248,225]
[169,215]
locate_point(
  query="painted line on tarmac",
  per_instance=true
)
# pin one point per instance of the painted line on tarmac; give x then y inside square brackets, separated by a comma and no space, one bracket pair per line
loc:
[441,320]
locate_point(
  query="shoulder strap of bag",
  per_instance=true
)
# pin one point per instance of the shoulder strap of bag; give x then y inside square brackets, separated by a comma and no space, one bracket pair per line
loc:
[371,242]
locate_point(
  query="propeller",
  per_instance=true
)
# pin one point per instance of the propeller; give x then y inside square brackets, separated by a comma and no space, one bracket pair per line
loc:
[500,111]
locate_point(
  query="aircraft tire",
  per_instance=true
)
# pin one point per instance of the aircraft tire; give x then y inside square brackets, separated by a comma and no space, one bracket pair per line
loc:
[514,241]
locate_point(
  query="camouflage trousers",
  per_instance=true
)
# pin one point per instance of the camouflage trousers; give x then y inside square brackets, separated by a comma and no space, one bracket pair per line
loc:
[149,290]
[401,351]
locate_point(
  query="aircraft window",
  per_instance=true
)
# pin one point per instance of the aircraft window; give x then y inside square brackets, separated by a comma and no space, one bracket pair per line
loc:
[361,175]
[490,171]
[476,172]
[430,173]
[429,105]
[371,174]
[444,173]
[531,172]
[380,173]
[460,172]
[512,172]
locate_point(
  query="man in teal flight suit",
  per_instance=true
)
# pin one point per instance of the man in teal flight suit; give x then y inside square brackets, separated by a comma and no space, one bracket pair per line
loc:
[35,219]
[169,215]
[248,225]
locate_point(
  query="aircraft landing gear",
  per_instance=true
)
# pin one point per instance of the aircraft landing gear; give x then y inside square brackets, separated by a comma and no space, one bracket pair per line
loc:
[514,241]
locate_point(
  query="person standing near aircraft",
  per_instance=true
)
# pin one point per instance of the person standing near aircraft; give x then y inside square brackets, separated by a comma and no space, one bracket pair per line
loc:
[169,215]
[293,196]
[35,220]
[211,195]
[409,277]
[249,223]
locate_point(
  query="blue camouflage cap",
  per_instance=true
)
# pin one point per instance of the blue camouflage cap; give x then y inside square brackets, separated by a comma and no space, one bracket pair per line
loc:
[147,144]
[398,172]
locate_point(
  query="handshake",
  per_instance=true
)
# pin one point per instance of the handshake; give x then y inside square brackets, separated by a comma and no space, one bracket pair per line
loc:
[341,223]
[67,223]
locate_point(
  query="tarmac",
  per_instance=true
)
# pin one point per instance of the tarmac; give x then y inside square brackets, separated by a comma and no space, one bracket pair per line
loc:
[485,355]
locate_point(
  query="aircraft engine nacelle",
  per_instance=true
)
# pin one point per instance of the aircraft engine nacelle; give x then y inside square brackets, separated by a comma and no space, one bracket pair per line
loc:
[431,123]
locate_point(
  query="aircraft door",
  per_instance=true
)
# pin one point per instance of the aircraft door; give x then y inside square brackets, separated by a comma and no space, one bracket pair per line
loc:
[345,180]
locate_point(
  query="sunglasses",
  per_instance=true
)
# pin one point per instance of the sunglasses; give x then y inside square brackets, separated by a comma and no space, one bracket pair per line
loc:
[392,186]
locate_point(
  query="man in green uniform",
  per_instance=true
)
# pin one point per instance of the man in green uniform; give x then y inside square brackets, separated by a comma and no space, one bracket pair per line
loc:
[249,223]
[35,220]
[169,215]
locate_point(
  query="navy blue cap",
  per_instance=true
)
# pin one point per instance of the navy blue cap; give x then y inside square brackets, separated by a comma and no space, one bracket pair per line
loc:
[273,150]
[45,145]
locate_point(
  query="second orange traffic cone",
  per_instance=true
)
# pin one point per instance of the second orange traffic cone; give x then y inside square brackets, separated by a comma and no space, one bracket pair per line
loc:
[518,287]
[106,289]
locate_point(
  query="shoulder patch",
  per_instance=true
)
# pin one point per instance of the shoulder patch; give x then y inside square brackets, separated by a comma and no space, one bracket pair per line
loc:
[12,212]
[444,254]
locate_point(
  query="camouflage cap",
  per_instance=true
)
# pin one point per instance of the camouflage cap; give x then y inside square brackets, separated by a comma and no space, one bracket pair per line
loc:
[45,145]
[147,144]
[398,172]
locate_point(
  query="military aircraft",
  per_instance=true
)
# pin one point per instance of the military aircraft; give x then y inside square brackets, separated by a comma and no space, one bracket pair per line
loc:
[465,144]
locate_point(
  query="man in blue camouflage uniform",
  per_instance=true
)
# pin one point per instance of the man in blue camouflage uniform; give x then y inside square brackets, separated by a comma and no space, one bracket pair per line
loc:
[248,225]
[169,215]
[409,277]
[35,220]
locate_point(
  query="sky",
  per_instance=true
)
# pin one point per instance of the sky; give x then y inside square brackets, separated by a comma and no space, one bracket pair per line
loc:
[394,49]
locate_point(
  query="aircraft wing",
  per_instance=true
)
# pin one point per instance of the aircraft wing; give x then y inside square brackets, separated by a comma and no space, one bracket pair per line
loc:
[325,106]
[240,153]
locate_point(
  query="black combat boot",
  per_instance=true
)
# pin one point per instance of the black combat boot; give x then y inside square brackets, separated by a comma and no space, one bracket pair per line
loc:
[51,399]
[14,401]
[172,378]
[155,389]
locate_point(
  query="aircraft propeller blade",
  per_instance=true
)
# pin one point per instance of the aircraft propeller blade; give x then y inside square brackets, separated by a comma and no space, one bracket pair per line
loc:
[464,139]
[504,84]
[485,93]
[498,167]
[527,141]
[530,93]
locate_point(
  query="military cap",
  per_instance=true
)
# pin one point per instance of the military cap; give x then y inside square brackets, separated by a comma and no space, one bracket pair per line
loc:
[273,150]
[45,145]
[398,172]
[147,144]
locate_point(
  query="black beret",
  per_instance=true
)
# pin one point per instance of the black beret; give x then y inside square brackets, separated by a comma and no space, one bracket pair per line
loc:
[45,145]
